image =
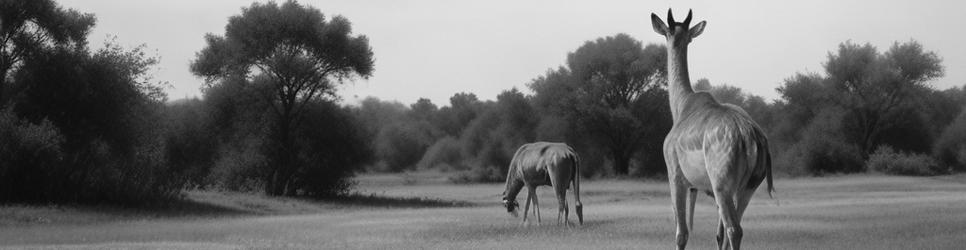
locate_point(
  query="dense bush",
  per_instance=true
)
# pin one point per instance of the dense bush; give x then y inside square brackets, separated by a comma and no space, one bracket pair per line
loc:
[190,146]
[375,114]
[490,140]
[240,165]
[107,111]
[909,132]
[238,119]
[950,148]
[331,143]
[822,149]
[445,154]
[887,160]
[402,144]
[331,149]
[31,167]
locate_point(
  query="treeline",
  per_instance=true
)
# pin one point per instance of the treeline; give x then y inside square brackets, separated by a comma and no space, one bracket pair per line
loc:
[869,111]
[609,102]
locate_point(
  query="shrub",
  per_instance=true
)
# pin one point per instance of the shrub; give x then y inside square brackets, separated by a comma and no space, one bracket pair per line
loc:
[189,145]
[444,154]
[950,148]
[30,159]
[332,147]
[239,119]
[887,160]
[107,111]
[239,165]
[489,141]
[401,145]
[822,149]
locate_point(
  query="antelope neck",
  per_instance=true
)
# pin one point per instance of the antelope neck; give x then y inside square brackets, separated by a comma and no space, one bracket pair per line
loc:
[679,83]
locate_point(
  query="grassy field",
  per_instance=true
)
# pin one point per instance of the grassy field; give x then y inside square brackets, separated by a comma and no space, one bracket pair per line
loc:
[423,211]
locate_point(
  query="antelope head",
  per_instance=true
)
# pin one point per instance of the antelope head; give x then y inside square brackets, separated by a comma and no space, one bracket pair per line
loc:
[511,206]
[677,34]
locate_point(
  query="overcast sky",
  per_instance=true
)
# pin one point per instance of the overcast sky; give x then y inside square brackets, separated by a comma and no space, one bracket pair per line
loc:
[435,48]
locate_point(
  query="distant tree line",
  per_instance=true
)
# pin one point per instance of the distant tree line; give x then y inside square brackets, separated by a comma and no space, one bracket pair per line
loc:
[869,111]
[90,125]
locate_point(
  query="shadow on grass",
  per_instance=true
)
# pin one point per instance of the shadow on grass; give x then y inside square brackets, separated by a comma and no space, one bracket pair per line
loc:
[202,205]
[162,209]
[373,200]
[188,208]
[15,214]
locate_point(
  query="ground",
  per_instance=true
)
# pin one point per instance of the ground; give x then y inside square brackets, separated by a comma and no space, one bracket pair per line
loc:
[424,211]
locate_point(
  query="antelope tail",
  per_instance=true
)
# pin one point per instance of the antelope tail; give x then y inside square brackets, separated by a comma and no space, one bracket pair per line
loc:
[768,178]
[576,179]
[764,158]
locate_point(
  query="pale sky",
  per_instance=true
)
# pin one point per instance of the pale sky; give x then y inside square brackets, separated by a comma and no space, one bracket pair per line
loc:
[435,48]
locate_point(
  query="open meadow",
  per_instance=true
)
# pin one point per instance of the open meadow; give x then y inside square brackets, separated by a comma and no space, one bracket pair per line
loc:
[840,212]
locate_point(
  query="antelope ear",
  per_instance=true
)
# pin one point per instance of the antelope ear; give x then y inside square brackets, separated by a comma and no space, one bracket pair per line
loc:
[658,25]
[697,29]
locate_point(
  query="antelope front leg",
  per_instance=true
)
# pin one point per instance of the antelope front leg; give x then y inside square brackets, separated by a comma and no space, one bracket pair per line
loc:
[679,193]
[526,208]
[536,205]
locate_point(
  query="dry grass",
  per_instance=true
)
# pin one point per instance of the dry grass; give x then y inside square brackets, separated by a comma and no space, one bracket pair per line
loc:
[863,212]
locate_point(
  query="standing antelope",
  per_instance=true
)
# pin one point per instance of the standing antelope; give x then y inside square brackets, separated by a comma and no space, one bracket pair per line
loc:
[712,147]
[543,163]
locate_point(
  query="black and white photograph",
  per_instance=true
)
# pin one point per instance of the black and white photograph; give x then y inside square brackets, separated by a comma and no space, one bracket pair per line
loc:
[435,124]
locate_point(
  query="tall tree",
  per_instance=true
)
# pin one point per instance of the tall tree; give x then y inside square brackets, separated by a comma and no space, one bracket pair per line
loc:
[874,86]
[299,52]
[616,70]
[612,74]
[28,26]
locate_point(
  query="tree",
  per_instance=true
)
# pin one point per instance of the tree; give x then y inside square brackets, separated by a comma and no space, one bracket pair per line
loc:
[611,74]
[423,110]
[874,86]
[803,97]
[463,108]
[299,52]
[491,139]
[374,114]
[554,98]
[617,70]
[29,26]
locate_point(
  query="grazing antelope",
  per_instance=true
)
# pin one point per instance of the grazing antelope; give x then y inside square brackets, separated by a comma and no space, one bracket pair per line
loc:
[712,147]
[543,163]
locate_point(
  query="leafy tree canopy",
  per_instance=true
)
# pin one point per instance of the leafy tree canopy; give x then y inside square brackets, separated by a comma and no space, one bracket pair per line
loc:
[29,26]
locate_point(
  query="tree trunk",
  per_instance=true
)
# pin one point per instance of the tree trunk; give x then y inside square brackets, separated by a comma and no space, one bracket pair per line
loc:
[274,181]
[281,161]
[621,163]
[3,83]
